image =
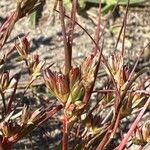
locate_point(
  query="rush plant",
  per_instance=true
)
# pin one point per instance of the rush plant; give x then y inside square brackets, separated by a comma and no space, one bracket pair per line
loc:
[91,123]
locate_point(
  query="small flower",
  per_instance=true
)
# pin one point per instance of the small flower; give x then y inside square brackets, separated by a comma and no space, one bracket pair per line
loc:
[35,66]
[29,117]
[4,81]
[25,7]
[8,127]
[74,76]
[142,134]
[118,70]
[36,116]
[126,72]
[92,123]
[57,84]
[88,70]
[7,83]
[77,93]
[73,110]
[146,131]
[25,115]
[23,48]
[61,84]
[50,80]
[15,126]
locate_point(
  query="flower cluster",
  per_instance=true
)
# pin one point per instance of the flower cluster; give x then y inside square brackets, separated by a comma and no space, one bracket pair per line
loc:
[6,83]
[142,134]
[70,90]
[35,66]
[16,126]
[118,70]
[33,63]
[23,48]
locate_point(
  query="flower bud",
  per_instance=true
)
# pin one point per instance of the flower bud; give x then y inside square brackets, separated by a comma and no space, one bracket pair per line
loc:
[5,129]
[142,134]
[50,80]
[146,131]
[4,81]
[7,83]
[58,85]
[36,116]
[62,88]
[115,63]
[126,73]
[88,70]
[61,84]
[77,93]
[23,48]
[25,115]
[35,66]
[74,75]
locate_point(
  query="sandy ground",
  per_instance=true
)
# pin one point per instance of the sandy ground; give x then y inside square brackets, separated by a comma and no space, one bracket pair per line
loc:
[46,40]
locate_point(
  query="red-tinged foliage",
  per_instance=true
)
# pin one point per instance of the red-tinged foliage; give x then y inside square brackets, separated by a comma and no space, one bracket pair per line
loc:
[96,119]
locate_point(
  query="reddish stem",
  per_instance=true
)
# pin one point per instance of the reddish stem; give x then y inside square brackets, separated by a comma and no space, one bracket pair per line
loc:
[98,30]
[72,22]
[67,49]
[110,133]
[12,98]
[6,147]
[51,113]
[65,134]
[133,126]
[7,27]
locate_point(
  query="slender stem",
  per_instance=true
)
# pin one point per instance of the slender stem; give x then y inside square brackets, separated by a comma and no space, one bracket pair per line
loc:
[121,30]
[65,134]
[138,91]
[66,45]
[72,22]
[96,48]
[1,147]
[28,67]
[137,61]
[99,49]
[51,113]
[124,26]
[110,132]
[27,87]
[4,103]
[98,30]
[12,98]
